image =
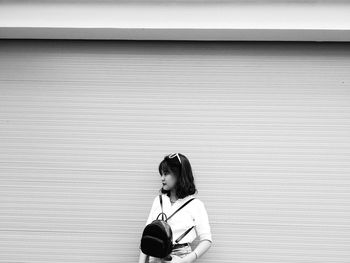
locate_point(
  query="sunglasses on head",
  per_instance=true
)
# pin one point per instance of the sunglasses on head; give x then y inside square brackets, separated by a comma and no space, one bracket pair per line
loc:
[173,155]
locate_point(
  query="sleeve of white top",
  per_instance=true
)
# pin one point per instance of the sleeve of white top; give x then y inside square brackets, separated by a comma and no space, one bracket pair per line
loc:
[151,212]
[202,221]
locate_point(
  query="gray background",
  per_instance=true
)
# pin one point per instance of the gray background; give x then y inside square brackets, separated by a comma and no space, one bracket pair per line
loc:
[84,125]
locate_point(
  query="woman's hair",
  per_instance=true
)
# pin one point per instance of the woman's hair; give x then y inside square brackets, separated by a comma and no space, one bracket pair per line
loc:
[185,182]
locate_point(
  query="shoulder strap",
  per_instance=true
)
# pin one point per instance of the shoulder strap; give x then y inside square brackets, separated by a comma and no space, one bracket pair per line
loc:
[161,205]
[180,208]
[188,230]
[184,234]
[161,202]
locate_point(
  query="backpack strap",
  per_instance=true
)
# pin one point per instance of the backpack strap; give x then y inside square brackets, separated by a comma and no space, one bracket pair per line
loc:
[179,208]
[167,218]
[161,202]
[161,205]
[184,234]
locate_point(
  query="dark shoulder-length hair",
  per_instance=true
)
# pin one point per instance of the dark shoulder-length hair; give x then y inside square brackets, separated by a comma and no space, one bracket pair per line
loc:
[183,171]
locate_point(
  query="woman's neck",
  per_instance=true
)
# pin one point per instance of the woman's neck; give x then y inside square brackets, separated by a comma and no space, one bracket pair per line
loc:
[173,196]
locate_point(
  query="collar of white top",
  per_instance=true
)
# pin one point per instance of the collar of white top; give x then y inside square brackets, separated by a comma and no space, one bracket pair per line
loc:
[180,199]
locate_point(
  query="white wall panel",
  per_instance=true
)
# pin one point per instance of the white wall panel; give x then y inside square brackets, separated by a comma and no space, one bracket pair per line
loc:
[84,125]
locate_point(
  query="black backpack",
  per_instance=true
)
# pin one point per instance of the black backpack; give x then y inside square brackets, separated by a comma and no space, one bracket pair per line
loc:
[157,237]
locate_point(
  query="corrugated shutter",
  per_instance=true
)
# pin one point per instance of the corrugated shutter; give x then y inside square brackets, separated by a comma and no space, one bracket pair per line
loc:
[84,125]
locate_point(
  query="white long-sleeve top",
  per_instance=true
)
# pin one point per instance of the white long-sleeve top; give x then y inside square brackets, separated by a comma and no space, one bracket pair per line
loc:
[194,213]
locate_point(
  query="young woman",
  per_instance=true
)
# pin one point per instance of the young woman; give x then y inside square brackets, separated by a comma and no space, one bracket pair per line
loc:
[177,188]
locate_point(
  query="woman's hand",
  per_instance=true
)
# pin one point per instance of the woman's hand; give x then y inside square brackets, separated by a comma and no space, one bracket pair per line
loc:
[190,258]
[175,259]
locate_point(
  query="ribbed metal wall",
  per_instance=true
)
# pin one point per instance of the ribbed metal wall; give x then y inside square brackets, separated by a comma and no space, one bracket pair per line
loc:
[84,125]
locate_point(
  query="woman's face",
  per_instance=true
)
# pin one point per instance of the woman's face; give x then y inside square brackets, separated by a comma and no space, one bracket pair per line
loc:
[168,180]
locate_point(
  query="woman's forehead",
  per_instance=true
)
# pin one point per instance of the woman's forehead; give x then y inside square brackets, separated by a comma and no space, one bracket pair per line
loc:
[165,168]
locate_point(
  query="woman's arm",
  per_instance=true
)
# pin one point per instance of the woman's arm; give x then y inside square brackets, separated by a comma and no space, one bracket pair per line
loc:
[143,258]
[202,247]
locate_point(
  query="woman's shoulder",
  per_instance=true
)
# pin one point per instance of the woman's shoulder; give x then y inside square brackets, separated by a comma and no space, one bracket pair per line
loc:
[157,199]
[196,200]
